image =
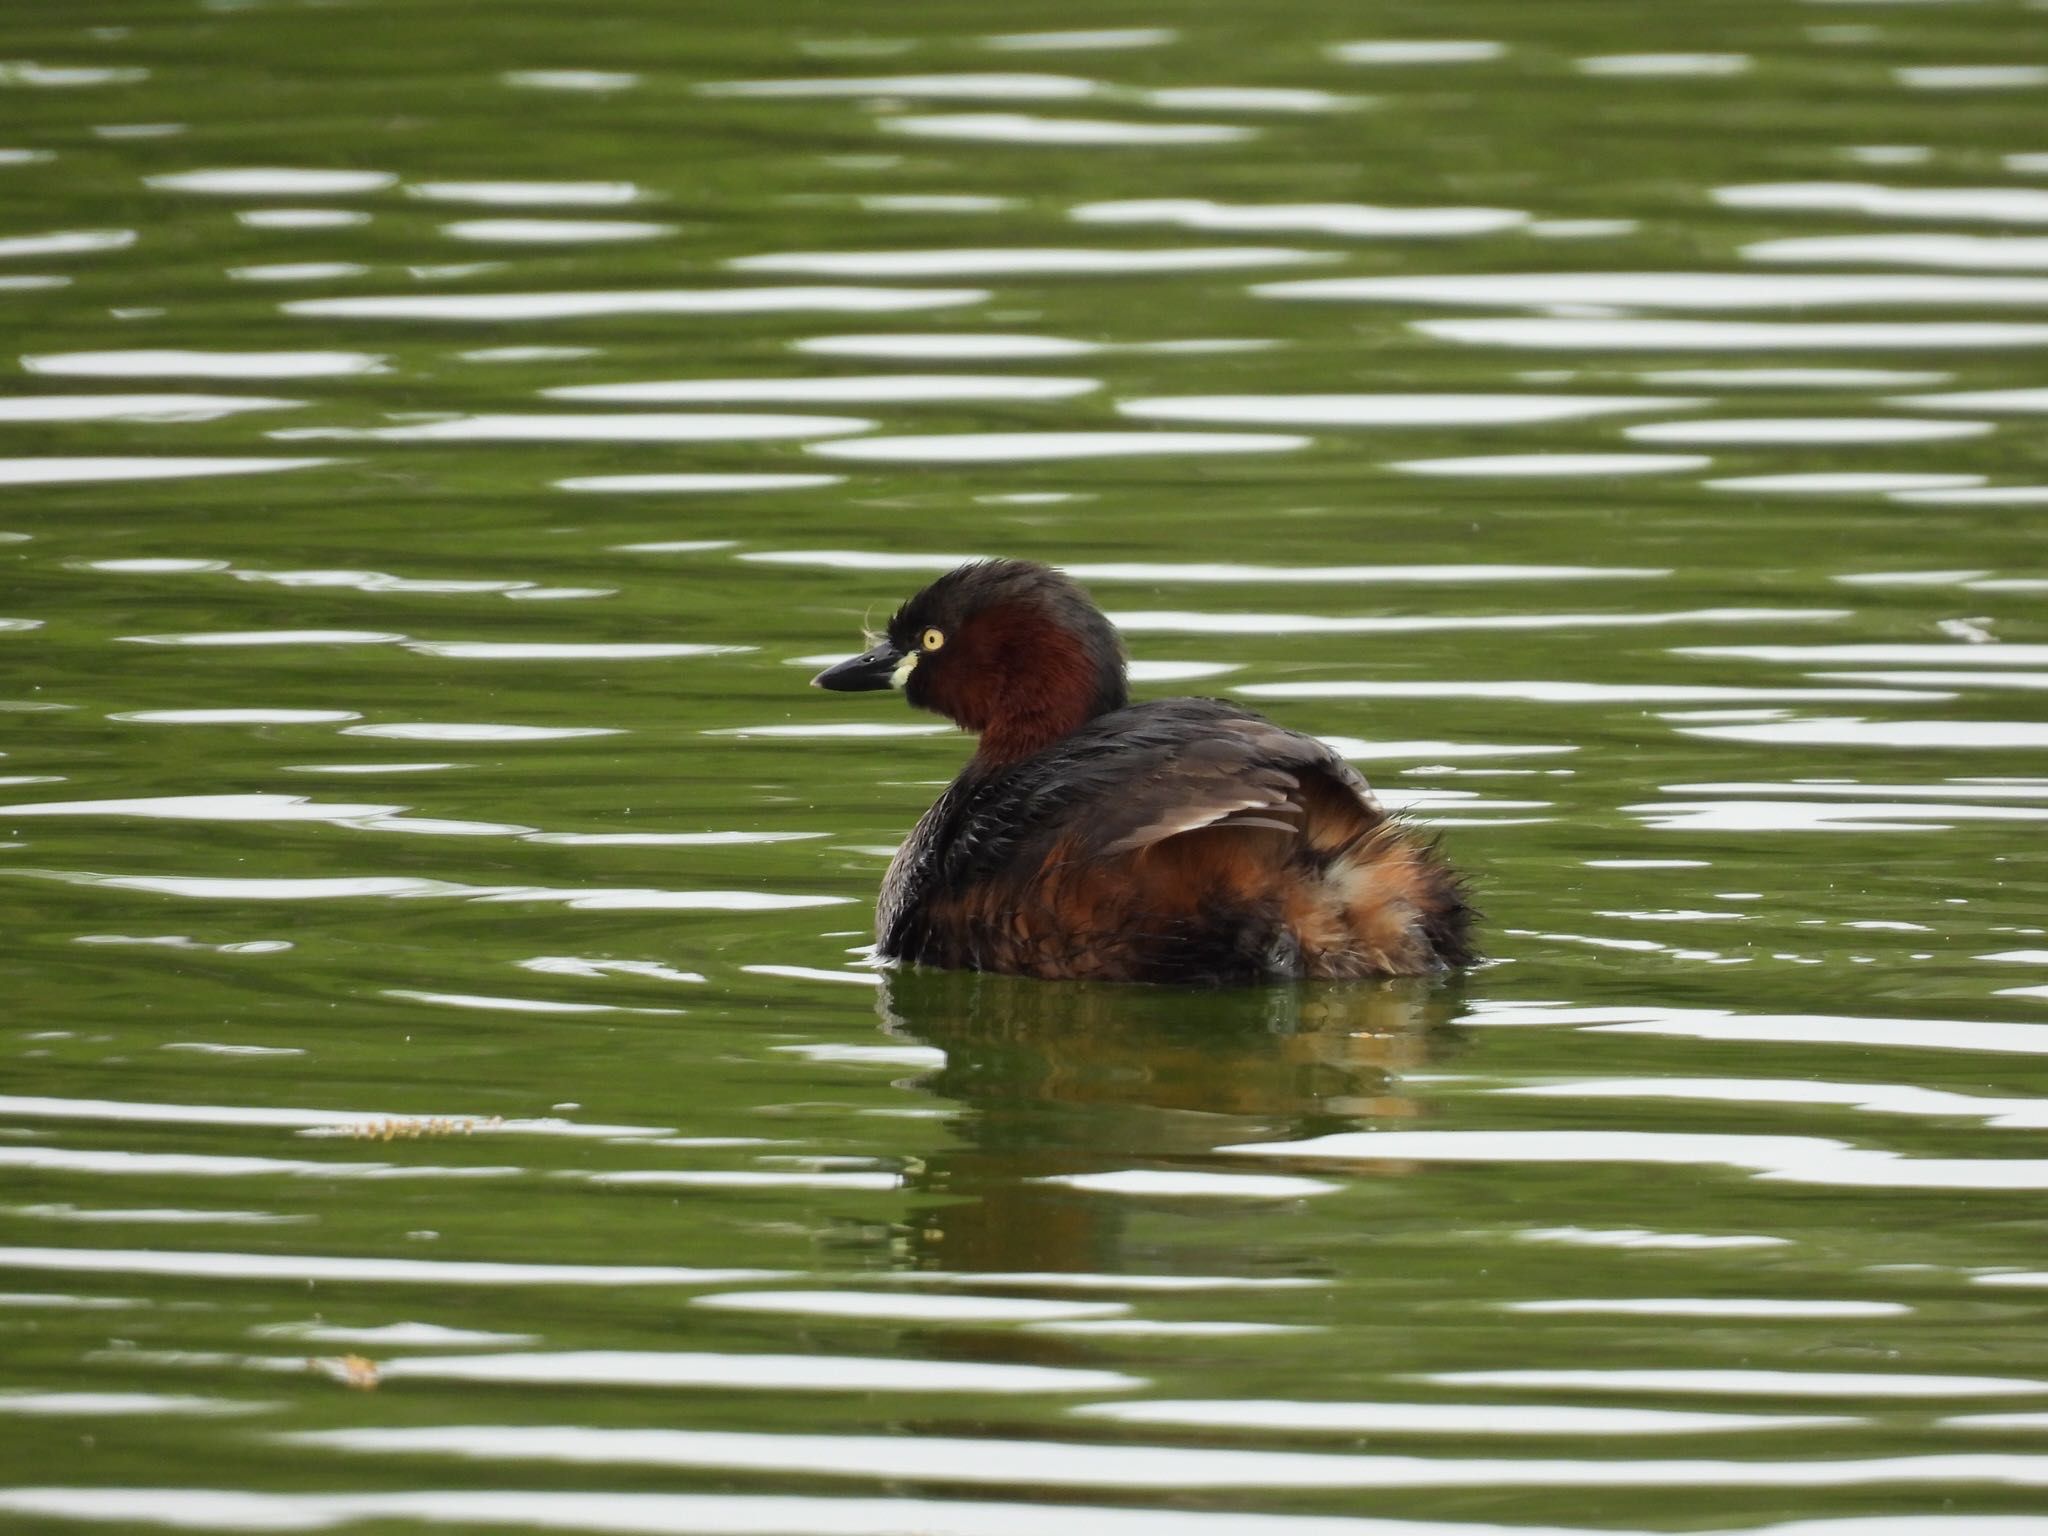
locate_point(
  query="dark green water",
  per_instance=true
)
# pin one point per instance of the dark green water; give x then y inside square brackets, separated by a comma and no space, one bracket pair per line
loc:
[434,902]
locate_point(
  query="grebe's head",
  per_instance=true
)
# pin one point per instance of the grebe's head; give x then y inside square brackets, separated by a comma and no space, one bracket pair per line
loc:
[1008,648]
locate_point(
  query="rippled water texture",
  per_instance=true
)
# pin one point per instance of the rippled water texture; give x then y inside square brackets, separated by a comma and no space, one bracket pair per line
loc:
[443,1087]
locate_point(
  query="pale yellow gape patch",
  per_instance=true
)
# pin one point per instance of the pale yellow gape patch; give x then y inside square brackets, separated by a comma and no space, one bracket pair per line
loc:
[930,640]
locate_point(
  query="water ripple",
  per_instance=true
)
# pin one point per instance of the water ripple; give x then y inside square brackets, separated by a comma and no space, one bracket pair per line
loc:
[97,471]
[868,389]
[1636,335]
[302,1269]
[1048,262]
[1031,447]
[1061,132]
[494,307]
[1358,221]
[1671,290]
[1007,86]
[149,363]
[1395,410]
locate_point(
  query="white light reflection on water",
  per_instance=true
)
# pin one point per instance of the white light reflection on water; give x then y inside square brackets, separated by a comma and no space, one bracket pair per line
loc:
[1246,98]
[1980,253]
[1790,815]
[946,346]
[146,408]
[301,1269]
[1553,334]
[171,363]
[743,1372]
[933,202]
[529,194]
[1160,1183]
[1914,735]
[1354,749]
[1971,77]
[1079,1464]
[163,1165]
[1784,1028]
[693,484]
[300,218]
[570,79]
[1642,1237]
[1871,1098]
[264,637]
[1881,654]
[426,731]
[66,242]
[395,1335]
[1760,1383]
[1061,132]
[667,1514]
[297,271]
[1553,692]
[1545,465]
[1791,378]
[2000,205]
[875,389]
[1037,447]
[554,231]
[1403,51]
[1089,41]
[1146,1328]
[2024,401]
[1395,410]
[158,1216]
[510,1004]
[1806,429]
[597,970]
[1367,1418]
[101,1405]
[743,1178]
[97,471]
[486,308]
[638,427]
[1358,221]
[1664,66]
[325,1121]
[1707,1306]
[893,1306]
[272,181]
[1782,1159]
[856,730]
[1850,482]
[1007,86]
[1047,262]
[1987,496]
[1149,571]
[412,887]
[1671,290]
[1178,622]
[533,650]
[37,75]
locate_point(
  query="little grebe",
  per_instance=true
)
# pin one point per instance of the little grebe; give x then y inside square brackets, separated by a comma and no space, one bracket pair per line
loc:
[1184,840]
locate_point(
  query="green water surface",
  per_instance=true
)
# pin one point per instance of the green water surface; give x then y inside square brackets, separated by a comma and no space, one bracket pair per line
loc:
[442,1084]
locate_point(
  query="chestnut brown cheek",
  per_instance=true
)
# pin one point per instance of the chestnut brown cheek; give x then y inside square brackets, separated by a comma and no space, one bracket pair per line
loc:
[966,697]
[1013,678]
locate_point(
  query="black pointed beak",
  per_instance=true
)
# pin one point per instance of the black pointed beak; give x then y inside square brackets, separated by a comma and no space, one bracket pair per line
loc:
[868,672]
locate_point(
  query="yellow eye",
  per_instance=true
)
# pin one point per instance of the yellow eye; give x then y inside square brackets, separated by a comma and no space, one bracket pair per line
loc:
[931,639]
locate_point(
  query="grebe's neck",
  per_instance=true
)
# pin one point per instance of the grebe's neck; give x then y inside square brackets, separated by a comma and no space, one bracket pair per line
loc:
[1034,682]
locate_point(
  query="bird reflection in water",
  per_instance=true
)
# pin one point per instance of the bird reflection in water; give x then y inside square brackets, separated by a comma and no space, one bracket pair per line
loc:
[1056,1079]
